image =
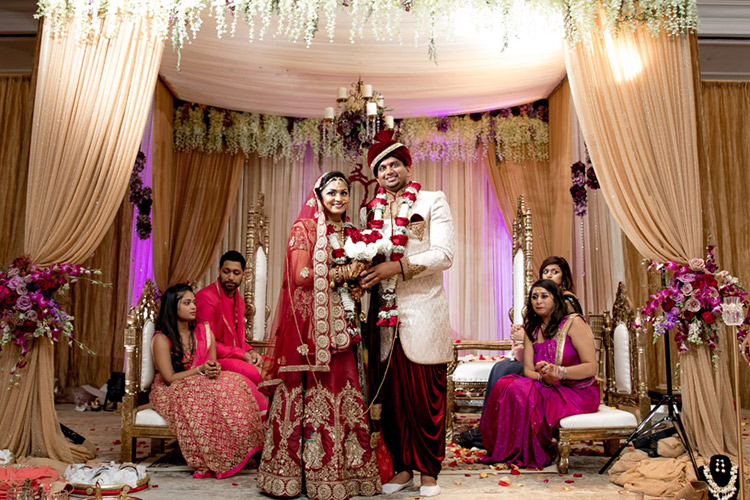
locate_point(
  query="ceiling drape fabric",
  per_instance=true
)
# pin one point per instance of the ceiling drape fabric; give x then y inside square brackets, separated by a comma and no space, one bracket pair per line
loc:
[478,284]
[90,107]
[15,133]
[636,103]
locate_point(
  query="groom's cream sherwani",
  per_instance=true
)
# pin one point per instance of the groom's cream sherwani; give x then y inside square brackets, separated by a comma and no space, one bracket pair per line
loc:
[424,328]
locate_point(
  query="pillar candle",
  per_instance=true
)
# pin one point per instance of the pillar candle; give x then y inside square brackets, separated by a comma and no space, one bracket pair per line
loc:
[388,121]
[328,114]
[368,91]
[372,109]
[342,93]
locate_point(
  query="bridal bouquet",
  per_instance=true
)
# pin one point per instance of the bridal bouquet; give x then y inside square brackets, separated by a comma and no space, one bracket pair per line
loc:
[30,304]
[366,244]
[691,302]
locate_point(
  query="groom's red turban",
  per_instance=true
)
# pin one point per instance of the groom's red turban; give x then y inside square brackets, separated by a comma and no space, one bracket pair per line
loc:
[385,147]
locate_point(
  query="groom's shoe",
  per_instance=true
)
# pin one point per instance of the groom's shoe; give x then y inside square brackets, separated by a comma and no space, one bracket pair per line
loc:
[389,488]
[429,491]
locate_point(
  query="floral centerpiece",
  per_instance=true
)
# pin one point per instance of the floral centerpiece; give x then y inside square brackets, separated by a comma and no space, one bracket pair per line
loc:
[691,302]
[31,305]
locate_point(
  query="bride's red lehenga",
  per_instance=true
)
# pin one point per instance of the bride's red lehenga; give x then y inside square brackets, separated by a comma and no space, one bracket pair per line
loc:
[318,438]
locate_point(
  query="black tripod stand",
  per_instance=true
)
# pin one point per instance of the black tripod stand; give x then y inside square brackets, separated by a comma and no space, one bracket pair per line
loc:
[670,401]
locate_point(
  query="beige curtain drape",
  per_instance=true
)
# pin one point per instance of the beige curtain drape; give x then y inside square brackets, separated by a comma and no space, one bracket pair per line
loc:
[477,299]
[90,108]
[193,197]
[725,183]
[100,312]
[634,94]
[92,101]
[15,133]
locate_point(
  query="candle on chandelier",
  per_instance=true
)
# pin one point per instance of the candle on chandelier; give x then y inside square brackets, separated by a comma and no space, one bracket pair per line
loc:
[367,93]
[328,113]
[342,93]
[381,101]
[372,109]
[388,121]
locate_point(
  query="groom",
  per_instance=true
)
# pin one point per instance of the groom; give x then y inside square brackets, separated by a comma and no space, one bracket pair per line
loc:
[415,327]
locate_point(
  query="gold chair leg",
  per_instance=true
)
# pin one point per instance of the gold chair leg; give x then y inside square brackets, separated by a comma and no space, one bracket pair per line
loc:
[611,446]
[563,450]
[126,448]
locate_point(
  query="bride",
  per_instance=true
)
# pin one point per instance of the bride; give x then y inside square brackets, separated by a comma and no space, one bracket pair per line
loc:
[318,436]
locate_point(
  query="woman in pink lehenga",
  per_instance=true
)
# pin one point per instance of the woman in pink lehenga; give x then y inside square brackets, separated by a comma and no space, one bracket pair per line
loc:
[559,367]
[318,439]
[216,416]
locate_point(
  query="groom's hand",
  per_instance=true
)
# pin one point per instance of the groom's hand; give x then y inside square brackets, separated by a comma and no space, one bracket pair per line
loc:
[375,275]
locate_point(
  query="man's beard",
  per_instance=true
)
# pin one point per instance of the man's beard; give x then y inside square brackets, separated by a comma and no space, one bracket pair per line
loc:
[229,286]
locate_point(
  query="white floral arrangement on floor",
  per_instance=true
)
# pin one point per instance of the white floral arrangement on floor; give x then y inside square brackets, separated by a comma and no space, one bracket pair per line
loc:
[6,458]
[110,474]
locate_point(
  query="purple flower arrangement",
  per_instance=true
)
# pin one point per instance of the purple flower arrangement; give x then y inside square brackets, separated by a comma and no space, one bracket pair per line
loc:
[582,179]
[140,196]
[30,304]
[691,302]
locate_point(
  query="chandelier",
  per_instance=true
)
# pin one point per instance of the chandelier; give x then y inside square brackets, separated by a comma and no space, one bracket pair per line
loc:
[358,116]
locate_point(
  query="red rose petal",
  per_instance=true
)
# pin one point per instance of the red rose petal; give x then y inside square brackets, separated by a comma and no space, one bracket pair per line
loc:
[569,481]
[546,481]
[503,483]
[154,485]
[116,441]
[515,472]
[235,484]
[577,475]
[467,475]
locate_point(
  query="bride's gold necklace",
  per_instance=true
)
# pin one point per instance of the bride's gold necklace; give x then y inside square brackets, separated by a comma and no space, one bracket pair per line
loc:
[338,228]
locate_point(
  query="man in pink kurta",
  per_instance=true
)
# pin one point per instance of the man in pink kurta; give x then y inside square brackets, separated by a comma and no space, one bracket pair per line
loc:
[221,306]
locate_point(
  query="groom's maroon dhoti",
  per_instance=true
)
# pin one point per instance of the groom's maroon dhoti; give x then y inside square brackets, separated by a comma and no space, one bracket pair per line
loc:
[413,416]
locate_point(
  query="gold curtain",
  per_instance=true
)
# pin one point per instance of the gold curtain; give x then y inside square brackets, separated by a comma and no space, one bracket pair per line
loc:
[100,312]
[193,197]
[636,103]
[90,107]
[725,183]
[15,133]
[544,184]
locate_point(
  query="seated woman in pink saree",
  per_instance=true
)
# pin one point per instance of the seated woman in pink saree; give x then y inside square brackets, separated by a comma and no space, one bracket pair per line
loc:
[318,439]
[559,367]
[216,416]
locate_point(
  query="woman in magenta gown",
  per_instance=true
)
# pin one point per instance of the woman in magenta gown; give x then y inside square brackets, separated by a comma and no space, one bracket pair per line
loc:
[558,381]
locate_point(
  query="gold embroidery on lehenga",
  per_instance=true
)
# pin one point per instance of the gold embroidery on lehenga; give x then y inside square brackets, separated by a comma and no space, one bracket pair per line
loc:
[305,272]
[313,452]
[353,451]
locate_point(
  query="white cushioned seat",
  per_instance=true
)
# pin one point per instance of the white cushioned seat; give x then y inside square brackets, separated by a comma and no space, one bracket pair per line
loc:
[147,364]
[150,418]
[474,371]
[606,417]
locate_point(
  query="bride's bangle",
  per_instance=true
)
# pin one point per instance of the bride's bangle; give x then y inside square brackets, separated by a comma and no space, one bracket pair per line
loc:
[200,372]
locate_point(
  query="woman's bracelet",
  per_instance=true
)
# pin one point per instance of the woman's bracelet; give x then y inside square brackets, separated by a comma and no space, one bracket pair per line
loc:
[564,373]
[538,377]
[200,372]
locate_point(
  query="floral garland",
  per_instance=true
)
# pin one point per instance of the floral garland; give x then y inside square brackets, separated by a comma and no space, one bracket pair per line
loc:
[388,314]
[691,302]
[181,20]
[582,179]
[31,305]
[140,196]
[338,257]
[518,133]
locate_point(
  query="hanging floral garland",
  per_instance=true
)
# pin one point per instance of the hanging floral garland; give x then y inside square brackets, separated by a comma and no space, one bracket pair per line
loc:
[181,20]
[519,133]
[140,196]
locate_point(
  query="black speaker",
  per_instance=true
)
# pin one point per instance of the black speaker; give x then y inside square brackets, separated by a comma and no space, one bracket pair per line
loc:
[115,389]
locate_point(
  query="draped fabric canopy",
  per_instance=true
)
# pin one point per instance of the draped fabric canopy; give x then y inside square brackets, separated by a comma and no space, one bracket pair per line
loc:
[634,94]
[90,107]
